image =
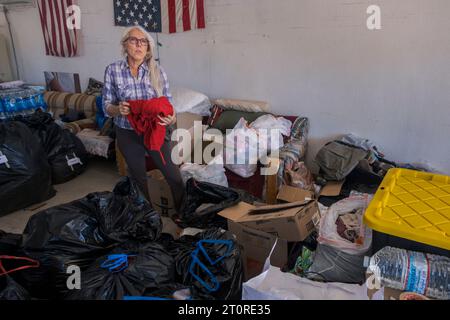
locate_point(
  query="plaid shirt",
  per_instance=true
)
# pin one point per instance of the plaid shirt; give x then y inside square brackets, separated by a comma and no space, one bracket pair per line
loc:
[120,86]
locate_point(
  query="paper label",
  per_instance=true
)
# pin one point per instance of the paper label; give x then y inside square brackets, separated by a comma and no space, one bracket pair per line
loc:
[418,273]
[74,161]
[3,159]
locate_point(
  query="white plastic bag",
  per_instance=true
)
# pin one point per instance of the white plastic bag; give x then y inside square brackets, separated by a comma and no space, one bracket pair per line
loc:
[276,285]
[212,173]
[273,284]
[185,100]
[328,234]
[265,126]
[241,155]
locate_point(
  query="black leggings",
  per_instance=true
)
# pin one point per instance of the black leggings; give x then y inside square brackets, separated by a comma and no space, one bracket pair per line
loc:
[134,151]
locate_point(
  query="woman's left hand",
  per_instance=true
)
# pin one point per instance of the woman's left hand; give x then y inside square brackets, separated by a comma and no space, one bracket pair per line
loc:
[168,121]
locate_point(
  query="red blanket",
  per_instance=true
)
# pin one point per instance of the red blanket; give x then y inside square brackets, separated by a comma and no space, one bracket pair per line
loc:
[144,119]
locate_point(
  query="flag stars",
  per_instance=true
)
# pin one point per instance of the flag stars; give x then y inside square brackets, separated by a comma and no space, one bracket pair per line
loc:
[138,12]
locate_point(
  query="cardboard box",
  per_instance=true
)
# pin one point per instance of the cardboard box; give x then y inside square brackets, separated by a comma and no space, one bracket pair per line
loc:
[292,222]
[186,121]
[257,228]
[160,194]
[332,189]
[388,293]
[293,194]
[255,245]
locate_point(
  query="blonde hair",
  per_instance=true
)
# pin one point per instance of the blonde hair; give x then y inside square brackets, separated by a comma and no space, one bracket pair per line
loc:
[154,70]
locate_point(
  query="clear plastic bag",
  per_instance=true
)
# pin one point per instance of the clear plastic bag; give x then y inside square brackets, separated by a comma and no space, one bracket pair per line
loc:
[241,154]
[213,173]
[268,127]
[328,234]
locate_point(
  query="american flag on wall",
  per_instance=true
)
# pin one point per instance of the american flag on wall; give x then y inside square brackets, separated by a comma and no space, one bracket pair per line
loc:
[60,41]
[166,16]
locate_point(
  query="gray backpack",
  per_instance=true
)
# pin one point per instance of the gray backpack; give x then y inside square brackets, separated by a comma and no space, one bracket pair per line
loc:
[338,159]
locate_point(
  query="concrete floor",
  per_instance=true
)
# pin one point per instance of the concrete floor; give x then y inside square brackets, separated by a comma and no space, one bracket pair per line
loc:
[100,175]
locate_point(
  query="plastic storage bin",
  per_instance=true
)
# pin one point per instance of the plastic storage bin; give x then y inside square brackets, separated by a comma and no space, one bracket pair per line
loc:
[411,210]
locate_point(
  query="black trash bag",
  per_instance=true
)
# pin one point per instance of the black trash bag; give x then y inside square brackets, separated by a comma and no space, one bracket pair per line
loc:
[332,265]
[9,243]
[79,232]
[10,266]
[10,290]
[66,153]
[200,193]
[222,279]
[59,237]
[358,180]
[25,175]
[129,270]
[125,214]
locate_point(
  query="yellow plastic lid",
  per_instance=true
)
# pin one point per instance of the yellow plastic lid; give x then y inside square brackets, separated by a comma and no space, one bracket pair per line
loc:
[412,205]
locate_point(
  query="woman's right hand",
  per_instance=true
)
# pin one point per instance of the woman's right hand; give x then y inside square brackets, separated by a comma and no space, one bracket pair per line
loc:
[124,108]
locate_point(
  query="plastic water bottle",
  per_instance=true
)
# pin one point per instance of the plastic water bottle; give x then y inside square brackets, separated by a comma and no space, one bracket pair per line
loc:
[410,271]
[2,110]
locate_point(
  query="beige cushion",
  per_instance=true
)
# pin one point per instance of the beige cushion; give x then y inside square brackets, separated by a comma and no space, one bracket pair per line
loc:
[242,105]
[56,102]
[83,103]
[60,102]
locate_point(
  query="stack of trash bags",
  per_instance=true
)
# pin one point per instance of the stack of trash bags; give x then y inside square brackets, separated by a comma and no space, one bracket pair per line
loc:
[35,153]
[115,240]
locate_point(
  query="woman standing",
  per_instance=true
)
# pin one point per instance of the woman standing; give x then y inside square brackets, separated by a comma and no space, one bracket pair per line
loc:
[138,77]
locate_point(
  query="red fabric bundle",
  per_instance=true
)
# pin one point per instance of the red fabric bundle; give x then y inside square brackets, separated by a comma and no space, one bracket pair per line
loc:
[144,119]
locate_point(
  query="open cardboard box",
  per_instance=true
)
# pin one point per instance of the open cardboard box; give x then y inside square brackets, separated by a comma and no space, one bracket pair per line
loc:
[257,229]
[293,194]
[256,245]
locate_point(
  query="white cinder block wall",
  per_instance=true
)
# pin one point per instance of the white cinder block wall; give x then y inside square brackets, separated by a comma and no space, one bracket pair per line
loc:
[306,57]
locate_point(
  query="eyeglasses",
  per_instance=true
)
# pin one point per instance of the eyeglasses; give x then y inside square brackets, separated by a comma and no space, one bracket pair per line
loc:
[134,41]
